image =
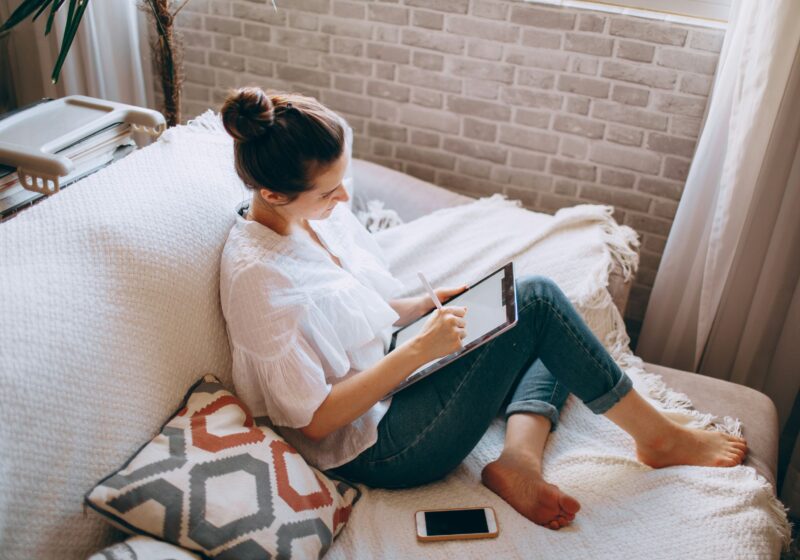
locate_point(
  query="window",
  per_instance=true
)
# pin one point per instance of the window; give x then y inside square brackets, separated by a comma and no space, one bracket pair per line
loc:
[709,9]
[712,13]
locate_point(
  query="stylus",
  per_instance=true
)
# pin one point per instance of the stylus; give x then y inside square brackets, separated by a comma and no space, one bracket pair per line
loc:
[430,290]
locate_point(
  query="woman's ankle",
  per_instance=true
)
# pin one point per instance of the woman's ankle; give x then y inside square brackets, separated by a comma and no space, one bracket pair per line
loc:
[643,422]
[522,456]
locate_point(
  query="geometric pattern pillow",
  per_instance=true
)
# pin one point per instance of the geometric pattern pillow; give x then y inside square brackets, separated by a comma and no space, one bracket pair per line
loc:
[215,481]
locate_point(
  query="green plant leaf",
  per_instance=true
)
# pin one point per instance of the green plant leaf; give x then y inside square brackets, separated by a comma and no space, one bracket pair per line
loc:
[74,16]
[53,9]
[42,8]
[23,11]
[76,10]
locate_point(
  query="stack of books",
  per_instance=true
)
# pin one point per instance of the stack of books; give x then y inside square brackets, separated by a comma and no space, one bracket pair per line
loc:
[34,141]
[89,154]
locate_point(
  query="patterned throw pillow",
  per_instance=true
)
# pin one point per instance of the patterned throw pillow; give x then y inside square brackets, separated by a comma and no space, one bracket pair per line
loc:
[215,481]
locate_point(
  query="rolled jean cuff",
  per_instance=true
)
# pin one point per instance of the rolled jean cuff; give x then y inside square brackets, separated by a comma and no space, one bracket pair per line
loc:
[601,404]
[535,407]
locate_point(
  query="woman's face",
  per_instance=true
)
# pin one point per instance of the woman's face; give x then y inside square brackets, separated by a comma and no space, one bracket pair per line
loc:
[327,192]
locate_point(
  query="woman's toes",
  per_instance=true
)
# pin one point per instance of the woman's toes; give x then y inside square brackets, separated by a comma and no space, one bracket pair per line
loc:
[729,460]
[553,525]
[722,460]
[690,446]
[569,504]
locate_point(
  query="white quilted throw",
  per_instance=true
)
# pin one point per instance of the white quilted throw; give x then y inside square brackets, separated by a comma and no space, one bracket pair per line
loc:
[109,299]
[628,510]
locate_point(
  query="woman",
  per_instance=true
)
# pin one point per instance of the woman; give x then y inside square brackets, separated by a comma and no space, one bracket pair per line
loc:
[309,305]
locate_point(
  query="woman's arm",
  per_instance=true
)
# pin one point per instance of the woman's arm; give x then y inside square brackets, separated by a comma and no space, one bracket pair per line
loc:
[352,397]
[409,309]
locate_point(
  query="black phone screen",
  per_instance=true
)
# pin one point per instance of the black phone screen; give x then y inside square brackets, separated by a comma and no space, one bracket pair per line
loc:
[456,522]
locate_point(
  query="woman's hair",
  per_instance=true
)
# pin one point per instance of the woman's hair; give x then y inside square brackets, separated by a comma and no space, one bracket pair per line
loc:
[281,140]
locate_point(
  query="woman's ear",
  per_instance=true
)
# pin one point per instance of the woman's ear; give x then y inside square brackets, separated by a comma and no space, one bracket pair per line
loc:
[272,198]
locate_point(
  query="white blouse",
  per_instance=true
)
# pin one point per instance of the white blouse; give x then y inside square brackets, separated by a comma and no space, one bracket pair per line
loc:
[298,324]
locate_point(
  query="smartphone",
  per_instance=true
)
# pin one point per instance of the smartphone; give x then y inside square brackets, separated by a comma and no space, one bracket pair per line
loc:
[447,524]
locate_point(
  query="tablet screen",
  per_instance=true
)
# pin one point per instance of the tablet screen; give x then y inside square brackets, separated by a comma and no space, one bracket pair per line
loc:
[486,311]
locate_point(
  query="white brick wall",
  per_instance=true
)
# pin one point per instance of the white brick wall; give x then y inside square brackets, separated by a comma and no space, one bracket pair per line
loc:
[554,106]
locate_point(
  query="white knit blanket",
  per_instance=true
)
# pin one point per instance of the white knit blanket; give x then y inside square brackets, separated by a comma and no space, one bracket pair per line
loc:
[109,294]
[628,510]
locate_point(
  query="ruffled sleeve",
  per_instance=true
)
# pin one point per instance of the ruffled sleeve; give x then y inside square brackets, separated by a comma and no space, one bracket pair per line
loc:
[276,369]
[370,261]
[361,318]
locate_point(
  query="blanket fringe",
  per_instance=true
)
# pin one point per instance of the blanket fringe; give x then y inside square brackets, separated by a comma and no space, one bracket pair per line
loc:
[598,298]
[621,243]
[780,515]
[777,511]
[668,399]
[209,121]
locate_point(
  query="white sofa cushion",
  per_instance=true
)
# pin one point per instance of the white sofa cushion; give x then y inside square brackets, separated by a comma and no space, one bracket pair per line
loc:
[109,294]
[144,548]
[110,310]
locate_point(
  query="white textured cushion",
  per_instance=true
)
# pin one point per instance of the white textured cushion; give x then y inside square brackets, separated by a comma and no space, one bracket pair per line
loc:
[109,294]
[144,548]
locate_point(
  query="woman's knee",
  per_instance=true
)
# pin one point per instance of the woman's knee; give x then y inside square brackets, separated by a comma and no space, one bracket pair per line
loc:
[536,286]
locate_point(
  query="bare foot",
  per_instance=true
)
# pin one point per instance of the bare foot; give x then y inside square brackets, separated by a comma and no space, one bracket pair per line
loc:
[520,483]
[690,446]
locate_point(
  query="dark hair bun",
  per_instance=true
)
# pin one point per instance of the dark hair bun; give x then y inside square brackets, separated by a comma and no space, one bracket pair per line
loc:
[247,113]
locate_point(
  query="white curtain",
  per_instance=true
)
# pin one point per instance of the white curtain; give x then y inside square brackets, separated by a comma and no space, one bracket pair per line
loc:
[726,301]
[109,57]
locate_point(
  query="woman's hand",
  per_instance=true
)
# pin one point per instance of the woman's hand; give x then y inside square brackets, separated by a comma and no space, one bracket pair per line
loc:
[412,308]
[442,333]
[443,294]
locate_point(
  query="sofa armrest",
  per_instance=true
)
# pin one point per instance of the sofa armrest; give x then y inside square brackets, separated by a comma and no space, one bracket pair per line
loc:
[408,196]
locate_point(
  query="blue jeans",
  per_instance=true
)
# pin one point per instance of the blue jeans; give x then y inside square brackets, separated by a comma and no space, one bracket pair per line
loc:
[433,425]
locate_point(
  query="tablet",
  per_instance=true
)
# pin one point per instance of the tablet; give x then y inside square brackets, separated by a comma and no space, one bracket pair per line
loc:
[491,310]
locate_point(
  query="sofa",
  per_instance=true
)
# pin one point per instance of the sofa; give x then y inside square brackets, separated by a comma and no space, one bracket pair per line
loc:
[110,311]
